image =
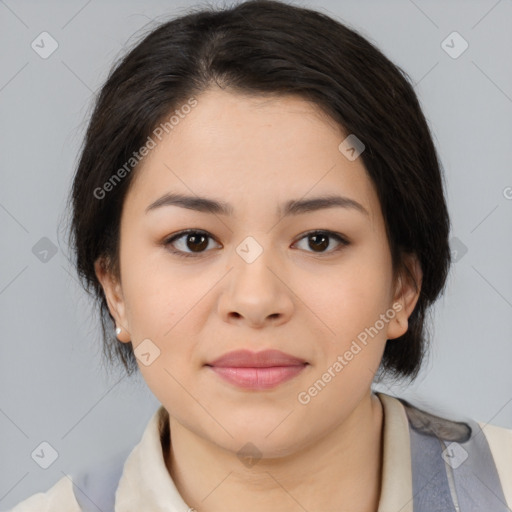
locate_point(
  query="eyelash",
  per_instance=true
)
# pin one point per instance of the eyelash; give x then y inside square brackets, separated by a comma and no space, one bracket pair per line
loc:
[331,234]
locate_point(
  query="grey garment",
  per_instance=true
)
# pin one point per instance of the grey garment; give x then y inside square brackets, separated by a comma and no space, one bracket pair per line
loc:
[452,466]
[95,489]
[452,469]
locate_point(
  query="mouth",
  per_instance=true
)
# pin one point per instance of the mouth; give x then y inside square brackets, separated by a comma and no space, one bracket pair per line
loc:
[257,371]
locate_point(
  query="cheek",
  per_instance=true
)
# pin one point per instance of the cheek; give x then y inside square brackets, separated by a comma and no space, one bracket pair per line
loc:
[357,299]
[153,295]
[353,346]
[357,292]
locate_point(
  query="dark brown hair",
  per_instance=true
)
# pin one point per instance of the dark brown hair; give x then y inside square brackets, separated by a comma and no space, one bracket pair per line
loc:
[269,47]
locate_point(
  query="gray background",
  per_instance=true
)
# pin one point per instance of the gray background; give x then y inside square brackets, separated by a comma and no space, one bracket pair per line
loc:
[52,385]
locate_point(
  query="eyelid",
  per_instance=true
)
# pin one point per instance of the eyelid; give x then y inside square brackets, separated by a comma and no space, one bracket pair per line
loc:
[180,234]
[341,239]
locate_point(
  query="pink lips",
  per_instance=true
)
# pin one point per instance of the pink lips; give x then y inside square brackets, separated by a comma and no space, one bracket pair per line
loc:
[257,370]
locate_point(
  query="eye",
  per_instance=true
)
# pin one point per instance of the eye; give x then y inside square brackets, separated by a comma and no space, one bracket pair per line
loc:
[195,240]
[320,240]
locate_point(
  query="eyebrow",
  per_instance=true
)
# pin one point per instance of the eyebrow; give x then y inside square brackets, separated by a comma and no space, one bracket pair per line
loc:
[292,207]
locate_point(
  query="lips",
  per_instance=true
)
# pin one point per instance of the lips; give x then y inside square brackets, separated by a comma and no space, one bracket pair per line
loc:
[257,370]
[263,359]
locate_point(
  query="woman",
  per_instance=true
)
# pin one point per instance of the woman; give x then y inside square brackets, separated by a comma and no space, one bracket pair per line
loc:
[259,211]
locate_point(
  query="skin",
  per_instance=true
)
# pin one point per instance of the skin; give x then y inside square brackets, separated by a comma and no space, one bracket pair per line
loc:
[310,301]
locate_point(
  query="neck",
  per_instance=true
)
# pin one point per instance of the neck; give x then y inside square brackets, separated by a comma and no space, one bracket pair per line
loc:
[340,471]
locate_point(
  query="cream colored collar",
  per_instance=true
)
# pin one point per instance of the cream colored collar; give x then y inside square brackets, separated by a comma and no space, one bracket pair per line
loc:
[146,484]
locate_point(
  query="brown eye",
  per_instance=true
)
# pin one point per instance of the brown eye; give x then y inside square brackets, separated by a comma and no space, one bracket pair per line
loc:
[196,243]
[189,243]
[319,241]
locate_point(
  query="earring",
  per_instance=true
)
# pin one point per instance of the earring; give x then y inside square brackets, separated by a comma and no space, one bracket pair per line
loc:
[118,331]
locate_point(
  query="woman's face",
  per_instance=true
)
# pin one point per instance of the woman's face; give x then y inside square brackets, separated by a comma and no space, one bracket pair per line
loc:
[256,276]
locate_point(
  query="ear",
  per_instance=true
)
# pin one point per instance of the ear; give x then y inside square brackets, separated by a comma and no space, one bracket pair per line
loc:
[407,292]
[114,296]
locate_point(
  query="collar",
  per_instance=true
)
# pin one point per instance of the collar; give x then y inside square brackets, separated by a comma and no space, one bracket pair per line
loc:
[145,483]
[396,488]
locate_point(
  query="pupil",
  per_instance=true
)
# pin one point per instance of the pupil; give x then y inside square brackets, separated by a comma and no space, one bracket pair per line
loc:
[194,238]
[325,243]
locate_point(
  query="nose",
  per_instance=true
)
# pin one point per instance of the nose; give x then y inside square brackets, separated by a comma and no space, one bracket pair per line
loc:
[256,293]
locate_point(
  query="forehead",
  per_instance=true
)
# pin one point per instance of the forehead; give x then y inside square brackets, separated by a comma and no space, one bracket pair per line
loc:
[252,148]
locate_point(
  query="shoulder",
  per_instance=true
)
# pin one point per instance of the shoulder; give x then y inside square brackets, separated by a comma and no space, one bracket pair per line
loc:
[59,498]
[470,448]
[500,444]
[461,430]
[498,437]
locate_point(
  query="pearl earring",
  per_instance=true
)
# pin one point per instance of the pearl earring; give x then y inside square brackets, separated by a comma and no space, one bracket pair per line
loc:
[118,331]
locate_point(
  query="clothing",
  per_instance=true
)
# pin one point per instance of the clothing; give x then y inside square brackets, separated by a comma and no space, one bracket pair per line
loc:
[411,481]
